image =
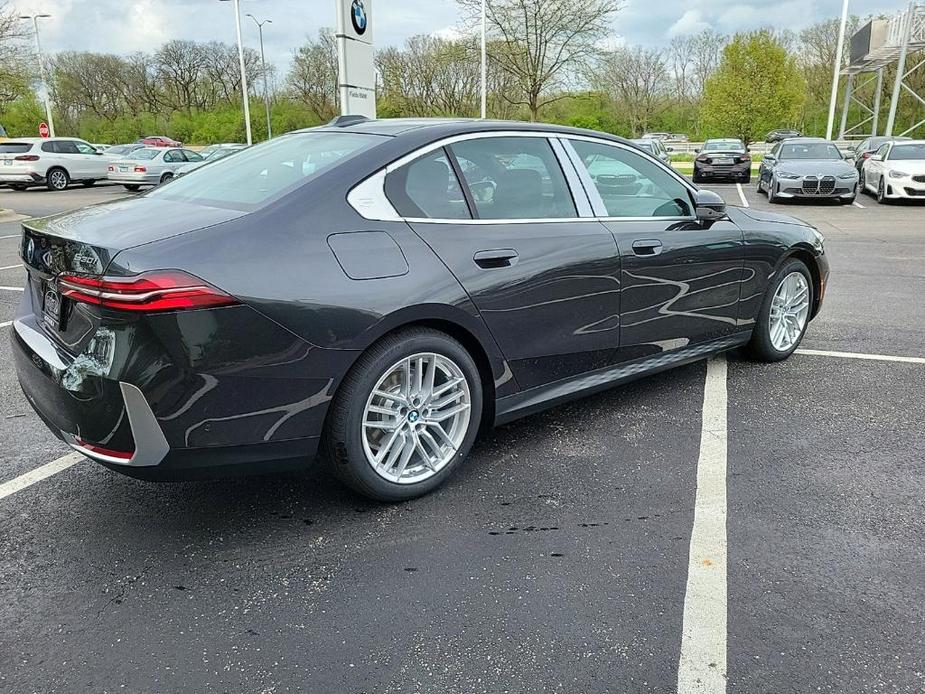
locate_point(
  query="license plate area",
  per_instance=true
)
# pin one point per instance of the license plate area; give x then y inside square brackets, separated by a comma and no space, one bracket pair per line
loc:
[52,307]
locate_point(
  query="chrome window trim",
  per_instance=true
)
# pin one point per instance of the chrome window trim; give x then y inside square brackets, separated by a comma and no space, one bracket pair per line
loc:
[369,200]
[597,201]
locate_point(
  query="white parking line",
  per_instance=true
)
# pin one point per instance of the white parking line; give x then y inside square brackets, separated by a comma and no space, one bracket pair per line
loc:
[6,324]
[11,236]
[53,468]
[12,289]
[857,204]
[702,665]
[11,267]
[742,195]
[860,355]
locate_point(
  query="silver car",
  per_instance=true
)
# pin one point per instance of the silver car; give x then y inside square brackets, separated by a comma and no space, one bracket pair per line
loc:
[807,167]
[655,148]
[150,166]
[210,154]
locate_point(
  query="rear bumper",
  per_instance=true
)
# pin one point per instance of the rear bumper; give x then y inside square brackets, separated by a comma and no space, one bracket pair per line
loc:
[165,420]
[733,171]
[21,178]
[134,179]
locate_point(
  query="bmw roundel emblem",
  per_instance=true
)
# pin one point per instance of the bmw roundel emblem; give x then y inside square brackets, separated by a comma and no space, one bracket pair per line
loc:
[358,16]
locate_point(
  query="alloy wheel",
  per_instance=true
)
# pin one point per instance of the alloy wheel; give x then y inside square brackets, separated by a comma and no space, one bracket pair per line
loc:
[58,180]
[416,418]
[789,311]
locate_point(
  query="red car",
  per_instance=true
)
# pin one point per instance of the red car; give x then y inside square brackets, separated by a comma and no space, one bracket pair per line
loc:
[159,141]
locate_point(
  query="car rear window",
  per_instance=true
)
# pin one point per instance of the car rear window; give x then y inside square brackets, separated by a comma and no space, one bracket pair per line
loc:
[14,147]
[144,154]
[261,173]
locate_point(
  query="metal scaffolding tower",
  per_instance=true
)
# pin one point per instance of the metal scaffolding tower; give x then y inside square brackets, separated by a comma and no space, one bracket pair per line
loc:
[874,47]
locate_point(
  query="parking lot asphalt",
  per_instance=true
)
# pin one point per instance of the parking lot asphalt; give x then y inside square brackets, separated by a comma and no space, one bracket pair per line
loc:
[557,560]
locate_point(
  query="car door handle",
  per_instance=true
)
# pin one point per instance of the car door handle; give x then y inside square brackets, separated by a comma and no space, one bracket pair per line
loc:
[495,258]
[647,247]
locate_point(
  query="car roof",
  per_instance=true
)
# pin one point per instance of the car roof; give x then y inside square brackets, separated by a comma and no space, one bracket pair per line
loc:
[36,140]
[723,139]
[438,128]
[808,140]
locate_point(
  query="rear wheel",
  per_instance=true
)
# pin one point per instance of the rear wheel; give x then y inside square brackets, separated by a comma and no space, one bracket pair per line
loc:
[784,313]
[132,187]
[405,416]
[166,177]
[57,179]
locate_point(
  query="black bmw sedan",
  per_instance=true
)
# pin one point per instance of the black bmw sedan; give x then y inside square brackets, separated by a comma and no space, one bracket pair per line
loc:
[723,159]
[380,291]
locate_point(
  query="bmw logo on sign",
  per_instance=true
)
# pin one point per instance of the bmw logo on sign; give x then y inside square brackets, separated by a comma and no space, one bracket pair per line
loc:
[358,16]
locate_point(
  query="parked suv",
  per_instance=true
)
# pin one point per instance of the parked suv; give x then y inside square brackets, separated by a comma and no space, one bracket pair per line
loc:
[53,162]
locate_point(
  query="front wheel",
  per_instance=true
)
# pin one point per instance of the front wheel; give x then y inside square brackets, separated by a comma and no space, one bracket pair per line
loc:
[784,313]
[772,196]
[405,415]
[881,193]
[133,187]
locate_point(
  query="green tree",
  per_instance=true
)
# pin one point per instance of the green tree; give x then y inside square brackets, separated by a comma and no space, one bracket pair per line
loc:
[757,87]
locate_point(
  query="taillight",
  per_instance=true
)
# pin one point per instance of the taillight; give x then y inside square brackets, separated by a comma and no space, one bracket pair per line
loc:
[159,290]
[27,157]
[112,168]
[140,169]
[703,159]
[745,158]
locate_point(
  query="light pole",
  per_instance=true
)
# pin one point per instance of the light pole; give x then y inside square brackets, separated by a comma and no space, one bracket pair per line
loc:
[483,67]
[38,45]
[837,69]
[247,108]
[263,67]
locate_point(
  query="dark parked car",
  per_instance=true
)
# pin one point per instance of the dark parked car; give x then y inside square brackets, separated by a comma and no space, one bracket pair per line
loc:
[382,290]
[782,134]
[723,159]
[867,147]
[807,167]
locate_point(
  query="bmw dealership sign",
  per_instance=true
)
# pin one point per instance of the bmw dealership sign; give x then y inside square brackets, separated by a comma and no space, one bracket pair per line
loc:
[356,77]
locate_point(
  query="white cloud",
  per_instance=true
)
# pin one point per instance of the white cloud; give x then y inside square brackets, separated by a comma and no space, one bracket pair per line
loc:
[691,22]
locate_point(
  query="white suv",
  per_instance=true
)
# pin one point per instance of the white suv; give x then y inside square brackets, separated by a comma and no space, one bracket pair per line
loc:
[52,162]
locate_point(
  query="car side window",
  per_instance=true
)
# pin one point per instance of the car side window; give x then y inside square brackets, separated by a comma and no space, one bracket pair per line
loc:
[66,147]
[883,150]
[191,155]
[631,185]
[427,188]
[85,148]
[514,178]
[173,155]
[49,146]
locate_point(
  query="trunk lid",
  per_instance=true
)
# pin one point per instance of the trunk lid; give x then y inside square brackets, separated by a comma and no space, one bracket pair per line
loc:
[84,242]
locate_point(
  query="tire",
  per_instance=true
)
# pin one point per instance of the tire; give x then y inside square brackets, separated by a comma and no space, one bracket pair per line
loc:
[758,188]
[57,179]
[133,187]
[88,183]
[762,344]
[166,177]
[863,183]
[18,187]
[746,179]
[882,199]
[348,447]
[696,178]
[772,198]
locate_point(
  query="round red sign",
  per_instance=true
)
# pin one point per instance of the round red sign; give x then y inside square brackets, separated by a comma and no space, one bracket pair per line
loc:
[43,130]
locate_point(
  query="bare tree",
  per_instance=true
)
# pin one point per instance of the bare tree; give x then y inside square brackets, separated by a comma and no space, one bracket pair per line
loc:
[312,79]
[541,43]
[678,59]
[706,53]
[636,78]
[14,54]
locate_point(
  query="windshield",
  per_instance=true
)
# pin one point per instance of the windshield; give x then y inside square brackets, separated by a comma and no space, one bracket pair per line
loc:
[810,150]
[724,146]
[255,175]
[908,152]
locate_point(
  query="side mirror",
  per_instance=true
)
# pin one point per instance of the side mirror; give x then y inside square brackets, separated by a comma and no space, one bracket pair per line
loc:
[697,150]
[670,149]
[708,206]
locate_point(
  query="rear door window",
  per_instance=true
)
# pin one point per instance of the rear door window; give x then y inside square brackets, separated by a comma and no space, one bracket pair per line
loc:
[514,178]
[427,188]
[66,147]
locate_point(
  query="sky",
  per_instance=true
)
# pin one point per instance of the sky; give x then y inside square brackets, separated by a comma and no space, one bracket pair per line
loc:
[126,26]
